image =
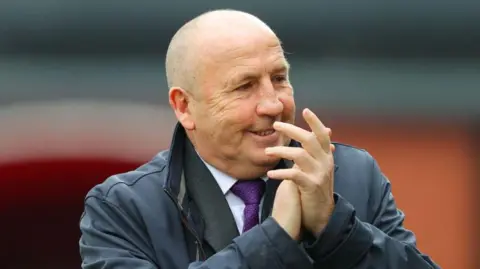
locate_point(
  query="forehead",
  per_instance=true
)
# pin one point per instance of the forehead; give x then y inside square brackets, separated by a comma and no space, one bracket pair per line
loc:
[240,55]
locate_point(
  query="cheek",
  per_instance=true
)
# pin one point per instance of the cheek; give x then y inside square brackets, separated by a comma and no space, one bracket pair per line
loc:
[229,115]
[288,104]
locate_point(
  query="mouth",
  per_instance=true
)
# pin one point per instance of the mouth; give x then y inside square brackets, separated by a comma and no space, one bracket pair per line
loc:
[264,132]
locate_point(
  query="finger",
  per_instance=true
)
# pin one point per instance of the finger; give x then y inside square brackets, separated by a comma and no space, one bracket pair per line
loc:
[298,155]
[296,175]
[332,147]
[318,128]
[292,131]
[307,139]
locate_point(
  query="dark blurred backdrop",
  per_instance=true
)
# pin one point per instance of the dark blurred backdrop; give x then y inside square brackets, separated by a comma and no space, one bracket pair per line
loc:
[83,95]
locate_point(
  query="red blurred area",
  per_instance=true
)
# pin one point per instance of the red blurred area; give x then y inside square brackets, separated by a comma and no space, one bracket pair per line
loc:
[41,203]
[55,180]
[433,167]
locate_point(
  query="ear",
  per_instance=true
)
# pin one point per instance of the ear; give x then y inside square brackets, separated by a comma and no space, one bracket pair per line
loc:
[180,102]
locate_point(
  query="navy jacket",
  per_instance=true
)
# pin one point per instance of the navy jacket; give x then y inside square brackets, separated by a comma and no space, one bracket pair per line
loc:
[155,217]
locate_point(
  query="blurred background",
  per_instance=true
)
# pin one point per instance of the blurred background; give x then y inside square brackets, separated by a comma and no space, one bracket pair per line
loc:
[83,96]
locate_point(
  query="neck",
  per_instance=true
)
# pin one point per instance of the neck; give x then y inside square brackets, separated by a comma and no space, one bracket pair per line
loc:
[238,169]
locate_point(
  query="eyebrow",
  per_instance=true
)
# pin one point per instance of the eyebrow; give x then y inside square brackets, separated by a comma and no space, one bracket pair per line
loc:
[285,67]
[245,76]
[286,64]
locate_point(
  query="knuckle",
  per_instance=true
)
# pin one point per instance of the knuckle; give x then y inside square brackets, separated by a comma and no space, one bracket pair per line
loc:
[301,153]
[312,138]
[296,172]
[317,184]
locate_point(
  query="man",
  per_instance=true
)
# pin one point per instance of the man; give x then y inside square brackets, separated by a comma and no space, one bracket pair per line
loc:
[241,186]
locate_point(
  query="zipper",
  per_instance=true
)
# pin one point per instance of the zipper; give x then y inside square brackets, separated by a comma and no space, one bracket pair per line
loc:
[197,253]
[190,229]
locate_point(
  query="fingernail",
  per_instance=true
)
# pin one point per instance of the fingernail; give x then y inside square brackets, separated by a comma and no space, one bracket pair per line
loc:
[268,150]
[308,112]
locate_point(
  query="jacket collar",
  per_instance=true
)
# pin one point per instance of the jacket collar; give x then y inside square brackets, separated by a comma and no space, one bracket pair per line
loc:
[175,181]
[218,224]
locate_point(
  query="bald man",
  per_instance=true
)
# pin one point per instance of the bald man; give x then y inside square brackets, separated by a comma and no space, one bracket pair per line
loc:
[241,186]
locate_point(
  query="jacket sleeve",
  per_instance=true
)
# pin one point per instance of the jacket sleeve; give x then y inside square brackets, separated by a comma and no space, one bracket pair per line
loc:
[347,242]
[109,240]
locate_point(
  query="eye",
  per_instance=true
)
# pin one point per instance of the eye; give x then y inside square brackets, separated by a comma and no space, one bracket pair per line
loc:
[280,78]
[245,86]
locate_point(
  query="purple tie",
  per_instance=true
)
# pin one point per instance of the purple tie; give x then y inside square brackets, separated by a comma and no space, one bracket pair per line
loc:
[251,192]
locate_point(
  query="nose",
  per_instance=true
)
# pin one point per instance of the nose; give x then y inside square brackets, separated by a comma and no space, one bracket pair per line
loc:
[269,104]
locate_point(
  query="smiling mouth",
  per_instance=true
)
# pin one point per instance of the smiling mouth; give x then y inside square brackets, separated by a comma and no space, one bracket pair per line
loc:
[264,133]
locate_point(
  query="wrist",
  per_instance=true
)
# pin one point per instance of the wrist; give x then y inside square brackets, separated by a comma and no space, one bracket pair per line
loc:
[320,226]
[291,229]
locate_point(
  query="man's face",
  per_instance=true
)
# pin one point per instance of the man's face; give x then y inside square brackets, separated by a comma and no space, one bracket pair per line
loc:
[242,90]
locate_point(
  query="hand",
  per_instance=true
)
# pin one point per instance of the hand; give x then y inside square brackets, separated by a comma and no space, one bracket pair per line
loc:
[313,169]
[287,208]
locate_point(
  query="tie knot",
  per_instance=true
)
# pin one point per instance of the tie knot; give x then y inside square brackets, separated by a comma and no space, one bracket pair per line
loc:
[250,191]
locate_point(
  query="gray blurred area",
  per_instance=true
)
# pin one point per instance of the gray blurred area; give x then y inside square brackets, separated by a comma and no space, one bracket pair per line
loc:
[360,57]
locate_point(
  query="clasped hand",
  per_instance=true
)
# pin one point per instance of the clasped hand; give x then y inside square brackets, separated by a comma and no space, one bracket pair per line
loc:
[307,186]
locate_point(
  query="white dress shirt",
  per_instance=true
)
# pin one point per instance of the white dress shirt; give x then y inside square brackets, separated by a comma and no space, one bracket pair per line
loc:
[234,202]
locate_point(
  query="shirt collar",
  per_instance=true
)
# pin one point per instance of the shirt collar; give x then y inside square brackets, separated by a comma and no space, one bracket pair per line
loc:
[224,181]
